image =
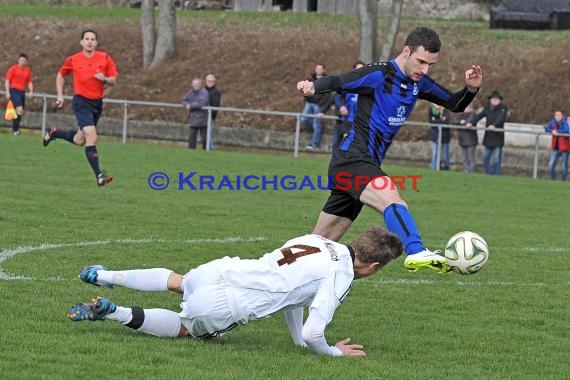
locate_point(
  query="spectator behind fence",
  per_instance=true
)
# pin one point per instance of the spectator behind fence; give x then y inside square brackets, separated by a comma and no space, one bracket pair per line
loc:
[318,105]
[560,144]
[197,119]
[468,139]
[495,113]
[346,110]
[439,115]
[215,97]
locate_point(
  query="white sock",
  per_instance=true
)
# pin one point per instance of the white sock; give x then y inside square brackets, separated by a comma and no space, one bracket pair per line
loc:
[122,315]
[148,280]
[160,322]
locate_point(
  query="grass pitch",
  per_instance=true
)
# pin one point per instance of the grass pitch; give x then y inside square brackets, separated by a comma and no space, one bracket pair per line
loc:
[510,321]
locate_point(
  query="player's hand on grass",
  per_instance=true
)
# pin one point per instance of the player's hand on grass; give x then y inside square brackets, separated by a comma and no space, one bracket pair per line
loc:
[350,349]
[305,87]
[473,78]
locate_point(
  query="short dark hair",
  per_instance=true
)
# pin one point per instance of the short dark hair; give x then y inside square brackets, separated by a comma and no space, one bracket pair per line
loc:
[377,246]
[425,37]
[23,55]
[88,31]
[359,62]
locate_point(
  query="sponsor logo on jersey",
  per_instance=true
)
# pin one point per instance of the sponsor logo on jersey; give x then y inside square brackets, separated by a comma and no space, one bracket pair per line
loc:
[400,118]
[401,111]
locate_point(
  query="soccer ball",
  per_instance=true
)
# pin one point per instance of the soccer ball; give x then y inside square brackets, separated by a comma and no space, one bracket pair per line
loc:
[466,252]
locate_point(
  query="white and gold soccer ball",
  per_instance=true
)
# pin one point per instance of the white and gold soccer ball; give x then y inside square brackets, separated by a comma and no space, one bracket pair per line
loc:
[466,252]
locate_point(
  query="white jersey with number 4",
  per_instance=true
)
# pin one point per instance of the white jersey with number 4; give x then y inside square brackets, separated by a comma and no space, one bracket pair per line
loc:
[307,271]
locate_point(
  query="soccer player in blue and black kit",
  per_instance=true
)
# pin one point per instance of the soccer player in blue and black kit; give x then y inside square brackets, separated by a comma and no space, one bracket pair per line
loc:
[387,93]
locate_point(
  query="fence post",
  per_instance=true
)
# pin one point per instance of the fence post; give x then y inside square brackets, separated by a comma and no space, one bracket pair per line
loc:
[125,121]
[44,115]
[297,134]
[535,166]
[209,130]
[438,156]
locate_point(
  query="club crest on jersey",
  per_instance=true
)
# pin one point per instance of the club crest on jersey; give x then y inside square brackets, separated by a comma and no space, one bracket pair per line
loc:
[415,89]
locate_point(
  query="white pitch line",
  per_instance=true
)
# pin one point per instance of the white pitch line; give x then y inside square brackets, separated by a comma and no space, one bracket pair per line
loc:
[404,281]
[5,254]
[546,249]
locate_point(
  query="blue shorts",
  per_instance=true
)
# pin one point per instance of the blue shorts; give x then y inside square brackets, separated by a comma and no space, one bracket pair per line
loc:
[87,112]
[18,97]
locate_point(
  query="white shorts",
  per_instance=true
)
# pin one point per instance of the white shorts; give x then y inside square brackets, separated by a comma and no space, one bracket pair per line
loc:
[205,311]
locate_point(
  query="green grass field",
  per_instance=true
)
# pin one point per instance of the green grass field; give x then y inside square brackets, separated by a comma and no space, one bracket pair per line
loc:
[510,321]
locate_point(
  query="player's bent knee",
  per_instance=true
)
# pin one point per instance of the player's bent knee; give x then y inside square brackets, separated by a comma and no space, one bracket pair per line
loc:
[175,282]
[79,140]
[183,331]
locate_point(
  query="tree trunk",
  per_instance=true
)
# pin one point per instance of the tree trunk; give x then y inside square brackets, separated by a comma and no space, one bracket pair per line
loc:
[166,39]
[368,17]
[267,5]
[300,6]
[147,31]
[392,29]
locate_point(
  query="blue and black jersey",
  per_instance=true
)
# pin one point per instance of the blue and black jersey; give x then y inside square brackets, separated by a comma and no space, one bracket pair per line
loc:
[386,99]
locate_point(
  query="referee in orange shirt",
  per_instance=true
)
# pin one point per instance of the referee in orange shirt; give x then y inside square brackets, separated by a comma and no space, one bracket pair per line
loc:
[17,77]
[91,70]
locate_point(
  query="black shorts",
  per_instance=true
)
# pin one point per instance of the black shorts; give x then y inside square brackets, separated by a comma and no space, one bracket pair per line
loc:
[350,173]
[87,111]
[18,97]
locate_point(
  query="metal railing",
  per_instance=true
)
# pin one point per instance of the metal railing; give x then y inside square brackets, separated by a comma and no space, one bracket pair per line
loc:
[127,103]
[536,135]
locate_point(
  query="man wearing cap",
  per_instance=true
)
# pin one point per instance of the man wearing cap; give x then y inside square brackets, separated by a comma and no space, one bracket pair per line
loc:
[495,113]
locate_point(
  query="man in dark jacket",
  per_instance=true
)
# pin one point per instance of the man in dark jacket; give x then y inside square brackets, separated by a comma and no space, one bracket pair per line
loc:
[197,119]
[496,114]
[439,115]
[468,138]
[215,101]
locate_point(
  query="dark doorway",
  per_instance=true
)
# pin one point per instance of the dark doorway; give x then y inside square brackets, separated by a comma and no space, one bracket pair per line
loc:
[312,5]
[284,5]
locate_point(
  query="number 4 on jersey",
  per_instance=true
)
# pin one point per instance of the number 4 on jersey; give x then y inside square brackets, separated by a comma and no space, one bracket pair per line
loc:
[289,257]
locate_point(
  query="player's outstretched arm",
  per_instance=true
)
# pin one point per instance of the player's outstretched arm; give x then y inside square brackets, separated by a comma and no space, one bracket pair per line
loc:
[349,349]
[473,78]
[306,88]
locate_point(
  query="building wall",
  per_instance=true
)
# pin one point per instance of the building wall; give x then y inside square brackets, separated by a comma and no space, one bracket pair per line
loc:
[448,9]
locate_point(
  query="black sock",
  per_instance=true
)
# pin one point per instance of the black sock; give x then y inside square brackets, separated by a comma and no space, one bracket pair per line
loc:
[66,135]
[16,123]
[138,318]
[93,158]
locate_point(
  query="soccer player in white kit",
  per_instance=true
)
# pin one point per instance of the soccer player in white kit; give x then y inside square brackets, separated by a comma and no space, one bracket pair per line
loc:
[308,271]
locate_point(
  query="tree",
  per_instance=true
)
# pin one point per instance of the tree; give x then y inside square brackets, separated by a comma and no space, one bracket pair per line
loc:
[161,45]
[392,29]
[368,18]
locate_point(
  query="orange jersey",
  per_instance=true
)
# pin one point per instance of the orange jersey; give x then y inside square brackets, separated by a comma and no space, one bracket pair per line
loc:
[19,76]
[84,68]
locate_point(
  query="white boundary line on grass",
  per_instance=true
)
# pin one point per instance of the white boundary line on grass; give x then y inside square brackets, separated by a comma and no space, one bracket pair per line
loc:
[494,283]
[555,250]
[6,254]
